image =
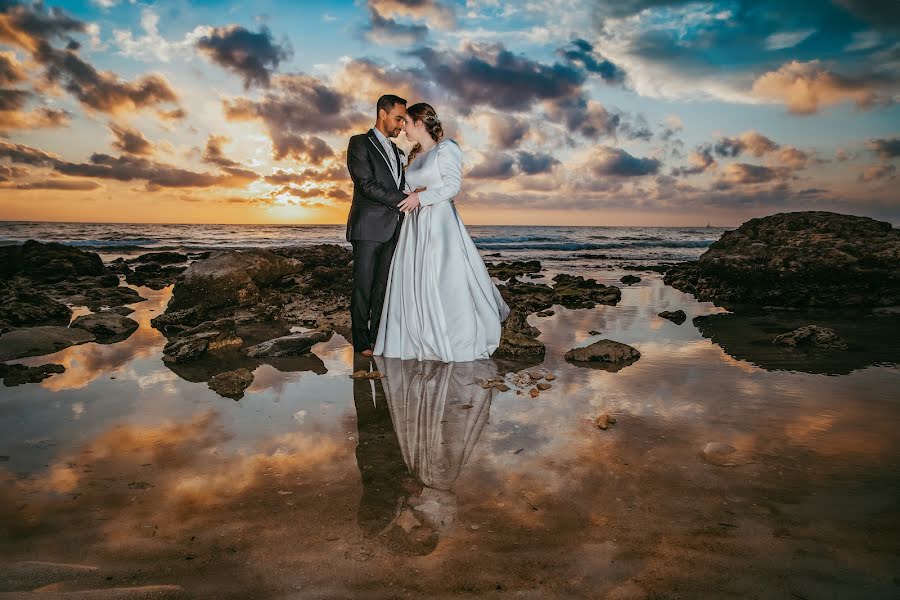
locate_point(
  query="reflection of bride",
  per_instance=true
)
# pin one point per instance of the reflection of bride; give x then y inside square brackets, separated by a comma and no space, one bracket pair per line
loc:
[438,411]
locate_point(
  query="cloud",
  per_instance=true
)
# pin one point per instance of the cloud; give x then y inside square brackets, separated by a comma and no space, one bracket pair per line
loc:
[805,87]
[750,141]
[616,162]
[366,78]
[60,184]
[878,172]
[582,52]
[535,163]
[886,148]
[127,168]
[385,30]
[213,152]
[743,173]
[490,75]
[13,116]
[253,56]
[296,107]
[130,140]
[152,46]
[497,165]
[506,131]
[700,160]
[433,12]
[31,26]
[11,70]
[787,39]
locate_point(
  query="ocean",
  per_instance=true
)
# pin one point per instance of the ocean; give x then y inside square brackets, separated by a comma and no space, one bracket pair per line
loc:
[566,247]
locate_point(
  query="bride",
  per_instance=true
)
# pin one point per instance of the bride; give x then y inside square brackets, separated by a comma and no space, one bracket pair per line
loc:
[440,303]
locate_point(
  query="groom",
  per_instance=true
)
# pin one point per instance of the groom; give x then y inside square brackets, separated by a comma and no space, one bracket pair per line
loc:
[376,167]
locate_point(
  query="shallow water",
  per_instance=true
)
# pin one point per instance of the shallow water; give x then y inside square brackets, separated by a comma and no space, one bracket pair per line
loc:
[423,484]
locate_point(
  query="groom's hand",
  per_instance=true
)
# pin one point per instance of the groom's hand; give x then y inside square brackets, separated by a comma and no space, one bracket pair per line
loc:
[421,189]
[410,203]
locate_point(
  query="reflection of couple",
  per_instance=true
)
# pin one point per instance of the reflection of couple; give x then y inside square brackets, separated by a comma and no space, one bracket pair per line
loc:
[420,288]
[417,429]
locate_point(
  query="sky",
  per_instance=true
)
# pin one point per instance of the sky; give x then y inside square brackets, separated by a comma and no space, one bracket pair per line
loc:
[570,112]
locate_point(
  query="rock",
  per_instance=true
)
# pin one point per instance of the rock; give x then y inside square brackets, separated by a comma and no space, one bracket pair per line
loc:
[549,376]
[23,306]
[544,386]
[534,392]
[14,375]
[107,326]
[154,276]
[594,332]
[546,313]
[207,337]
[517,339]
[162,258]
[604,421]
[231,384]
[570,291]
[119,267]
[50,262]
[607,354]
[661,268]
[798,259]
[677,316]
[230,278]
[295,344]
[721,454]
[367,375]
[629,279]
[37,341]
[506,270]
[122,310]
[811,336]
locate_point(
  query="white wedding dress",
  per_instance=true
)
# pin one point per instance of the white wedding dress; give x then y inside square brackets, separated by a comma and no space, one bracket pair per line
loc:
[440,302]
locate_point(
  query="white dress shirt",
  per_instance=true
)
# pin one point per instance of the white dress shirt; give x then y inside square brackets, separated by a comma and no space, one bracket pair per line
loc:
[389,150]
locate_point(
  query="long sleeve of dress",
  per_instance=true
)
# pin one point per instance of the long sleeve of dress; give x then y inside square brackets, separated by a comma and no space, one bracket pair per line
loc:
[449,159]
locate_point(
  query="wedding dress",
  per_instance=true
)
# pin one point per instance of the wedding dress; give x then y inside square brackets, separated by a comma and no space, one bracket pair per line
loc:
[440,302]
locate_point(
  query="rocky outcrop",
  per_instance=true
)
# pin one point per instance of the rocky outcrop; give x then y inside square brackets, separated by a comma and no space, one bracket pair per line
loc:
[24,306]
[518,339]
[14,375]
[676,316]
[507,270]
[811,336]
[51,262]
[37,341]
[608,355]
[570,291]
[629,279]
[799,259]
[211,336]
[295,344]
[108,326]
[231,384]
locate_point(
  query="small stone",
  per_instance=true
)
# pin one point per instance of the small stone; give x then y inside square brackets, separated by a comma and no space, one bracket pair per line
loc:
[594,332]
[503,387]
[721,454]
[544,386]
[604,421]
[231,384]
[549,376]
[534,392]
[629,279]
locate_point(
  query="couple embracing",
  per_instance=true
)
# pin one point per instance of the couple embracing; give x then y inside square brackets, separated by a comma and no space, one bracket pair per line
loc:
[420,287]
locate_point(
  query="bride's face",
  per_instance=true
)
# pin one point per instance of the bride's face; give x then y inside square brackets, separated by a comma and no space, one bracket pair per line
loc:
[415,130]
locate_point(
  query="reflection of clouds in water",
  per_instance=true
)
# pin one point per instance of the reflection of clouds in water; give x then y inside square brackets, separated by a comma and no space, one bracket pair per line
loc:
[87,362]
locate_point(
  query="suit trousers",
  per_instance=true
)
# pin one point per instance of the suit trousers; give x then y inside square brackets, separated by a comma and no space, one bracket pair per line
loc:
[371,266]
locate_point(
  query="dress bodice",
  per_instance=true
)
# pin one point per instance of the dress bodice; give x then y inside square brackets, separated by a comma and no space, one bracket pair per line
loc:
[439,170]
[423,171]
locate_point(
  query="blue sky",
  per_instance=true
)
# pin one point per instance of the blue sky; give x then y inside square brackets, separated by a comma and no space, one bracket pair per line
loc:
[622,112]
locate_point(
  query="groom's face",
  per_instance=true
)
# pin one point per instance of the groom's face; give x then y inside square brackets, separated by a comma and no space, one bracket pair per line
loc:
[395,120]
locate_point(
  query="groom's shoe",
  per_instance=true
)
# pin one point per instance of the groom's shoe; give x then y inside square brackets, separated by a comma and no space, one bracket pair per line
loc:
[367,352]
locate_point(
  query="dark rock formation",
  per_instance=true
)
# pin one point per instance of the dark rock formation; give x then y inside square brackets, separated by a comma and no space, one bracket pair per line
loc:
[518,339]
[798,259]
[23,305]
[295,344]
[608,355]
[161,258]
[108,326]
[154,275]
[14,375]
[629,279]
[210,336]
[570,291]
[676,316]
[37,341]
[49,262]
[506,270]
[231,384]
[811,336]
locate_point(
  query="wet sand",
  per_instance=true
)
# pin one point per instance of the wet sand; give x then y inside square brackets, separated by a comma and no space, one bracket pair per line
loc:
[423,484]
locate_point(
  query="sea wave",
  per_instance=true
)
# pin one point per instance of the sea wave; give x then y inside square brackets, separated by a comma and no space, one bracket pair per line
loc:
[595,246]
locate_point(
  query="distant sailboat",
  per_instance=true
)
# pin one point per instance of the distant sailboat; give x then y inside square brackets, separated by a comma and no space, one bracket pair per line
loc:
[707,224]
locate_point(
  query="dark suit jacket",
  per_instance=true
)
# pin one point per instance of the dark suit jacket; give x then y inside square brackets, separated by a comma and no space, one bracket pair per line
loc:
[373,214]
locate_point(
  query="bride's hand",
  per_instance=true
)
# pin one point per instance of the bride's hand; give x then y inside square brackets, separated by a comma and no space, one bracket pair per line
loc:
[410,203]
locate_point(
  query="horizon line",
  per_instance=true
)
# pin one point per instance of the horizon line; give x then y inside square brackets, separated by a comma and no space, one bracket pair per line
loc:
[331,224]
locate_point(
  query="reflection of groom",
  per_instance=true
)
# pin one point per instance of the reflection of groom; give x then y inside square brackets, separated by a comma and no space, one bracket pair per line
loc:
[376,167]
